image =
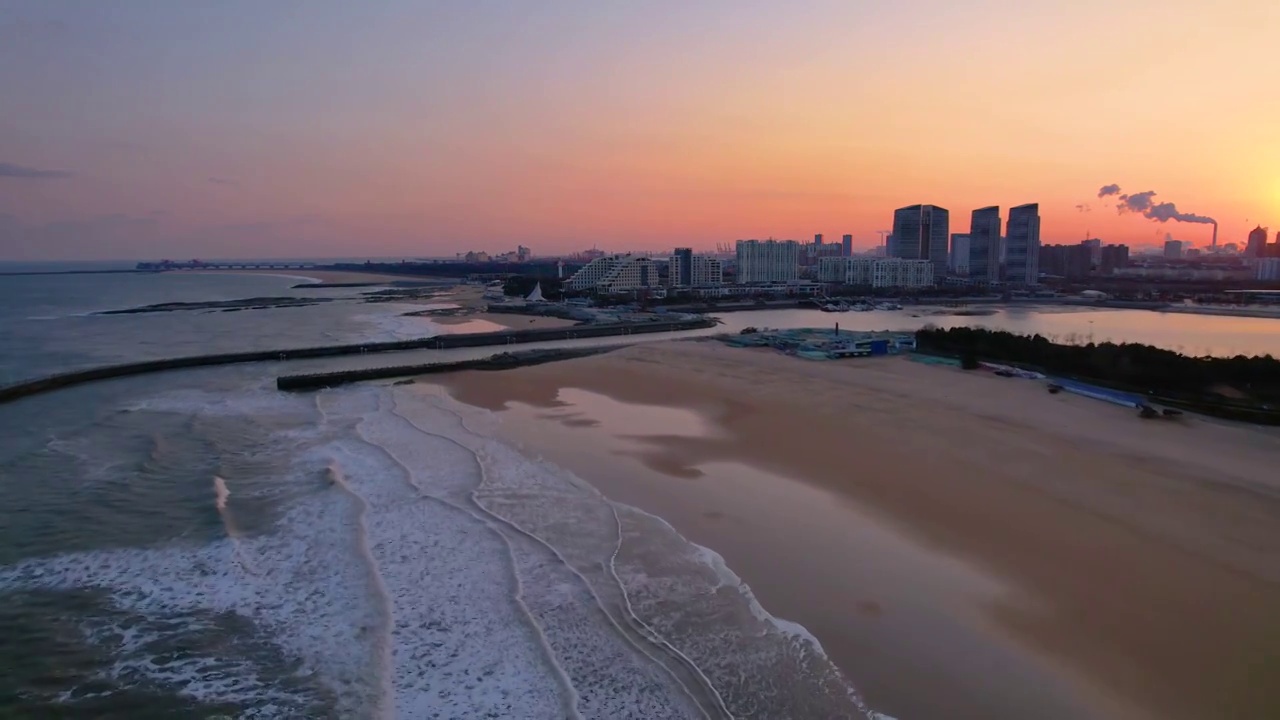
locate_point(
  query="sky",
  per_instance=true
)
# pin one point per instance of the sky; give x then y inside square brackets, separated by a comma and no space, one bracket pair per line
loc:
[407,128]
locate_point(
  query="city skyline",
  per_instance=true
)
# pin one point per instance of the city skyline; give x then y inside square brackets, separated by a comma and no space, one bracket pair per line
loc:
[145,130]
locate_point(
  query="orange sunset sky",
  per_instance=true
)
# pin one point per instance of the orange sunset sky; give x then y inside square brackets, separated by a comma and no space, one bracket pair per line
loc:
[310,129]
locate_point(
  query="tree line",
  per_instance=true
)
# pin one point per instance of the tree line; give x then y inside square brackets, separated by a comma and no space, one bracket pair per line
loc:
[1239,380]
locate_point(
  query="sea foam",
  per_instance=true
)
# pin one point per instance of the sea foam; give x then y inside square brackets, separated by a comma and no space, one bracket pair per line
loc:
[421,568]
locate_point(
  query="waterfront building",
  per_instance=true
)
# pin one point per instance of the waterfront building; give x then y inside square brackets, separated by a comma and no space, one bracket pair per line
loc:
[877,272]
[689,270]
[762,261]
[1022,243]
[960,254]
[1114,257]
[1095,250]
[1072,262]
[922,232]
[615,274]
[1257,242]
[984,245]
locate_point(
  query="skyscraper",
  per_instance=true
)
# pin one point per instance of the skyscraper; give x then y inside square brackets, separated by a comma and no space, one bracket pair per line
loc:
[817,239]
[1022,262]
[960,254]
[984,244]
[922,232]
[846,246]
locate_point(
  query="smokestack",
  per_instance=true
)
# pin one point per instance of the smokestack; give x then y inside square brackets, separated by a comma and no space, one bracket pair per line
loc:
[1215,236]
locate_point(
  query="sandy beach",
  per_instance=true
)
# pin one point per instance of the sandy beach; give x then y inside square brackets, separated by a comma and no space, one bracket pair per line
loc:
[963,545]
[502,321]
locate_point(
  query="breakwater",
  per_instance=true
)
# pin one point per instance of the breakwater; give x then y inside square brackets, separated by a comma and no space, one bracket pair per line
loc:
[9,393]
[501,361]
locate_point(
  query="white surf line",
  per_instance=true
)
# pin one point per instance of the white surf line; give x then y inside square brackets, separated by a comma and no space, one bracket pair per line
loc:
[220,494]
[387,711]
[568,566]
[586,583]
[571,692]
[613,570]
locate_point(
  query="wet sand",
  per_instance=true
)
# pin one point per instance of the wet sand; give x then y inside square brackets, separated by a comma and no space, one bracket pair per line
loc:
[963,545]
[486,322]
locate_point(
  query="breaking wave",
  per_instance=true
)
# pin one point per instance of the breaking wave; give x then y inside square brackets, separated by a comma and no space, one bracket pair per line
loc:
[422,568]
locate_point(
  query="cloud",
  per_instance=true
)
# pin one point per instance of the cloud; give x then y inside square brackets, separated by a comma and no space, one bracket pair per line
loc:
[22,172]
[226,182]
[1166,211]
[1144,204]
[1137,202]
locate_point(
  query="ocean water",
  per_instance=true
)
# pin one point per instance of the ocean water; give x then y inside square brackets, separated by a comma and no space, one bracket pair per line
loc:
[198,544]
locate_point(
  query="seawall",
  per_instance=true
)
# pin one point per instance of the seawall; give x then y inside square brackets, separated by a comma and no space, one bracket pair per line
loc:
[15,391]
[501,361]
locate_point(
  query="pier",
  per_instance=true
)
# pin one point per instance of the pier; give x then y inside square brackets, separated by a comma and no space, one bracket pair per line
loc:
[8,393]
[501,361]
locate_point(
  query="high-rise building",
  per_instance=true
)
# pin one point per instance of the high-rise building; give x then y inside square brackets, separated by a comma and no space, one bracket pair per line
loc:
[1071,262]
[1095,250]
[1173,249]
[922,232]
[1113,257]
[1257,242]
[690,271]
[1022,237]
[960,254]
[811,252]
[817,238]
[681,267]
[846,246]
[768,260]
[984,244]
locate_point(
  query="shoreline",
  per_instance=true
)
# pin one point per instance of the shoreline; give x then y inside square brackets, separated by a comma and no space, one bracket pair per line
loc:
[308,275]
[1124,579]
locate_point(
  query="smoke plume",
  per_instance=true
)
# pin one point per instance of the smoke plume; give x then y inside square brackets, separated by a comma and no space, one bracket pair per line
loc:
[1083,207]
[1144,204]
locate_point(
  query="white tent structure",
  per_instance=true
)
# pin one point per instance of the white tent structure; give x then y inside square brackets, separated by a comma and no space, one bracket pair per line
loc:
[536,295]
